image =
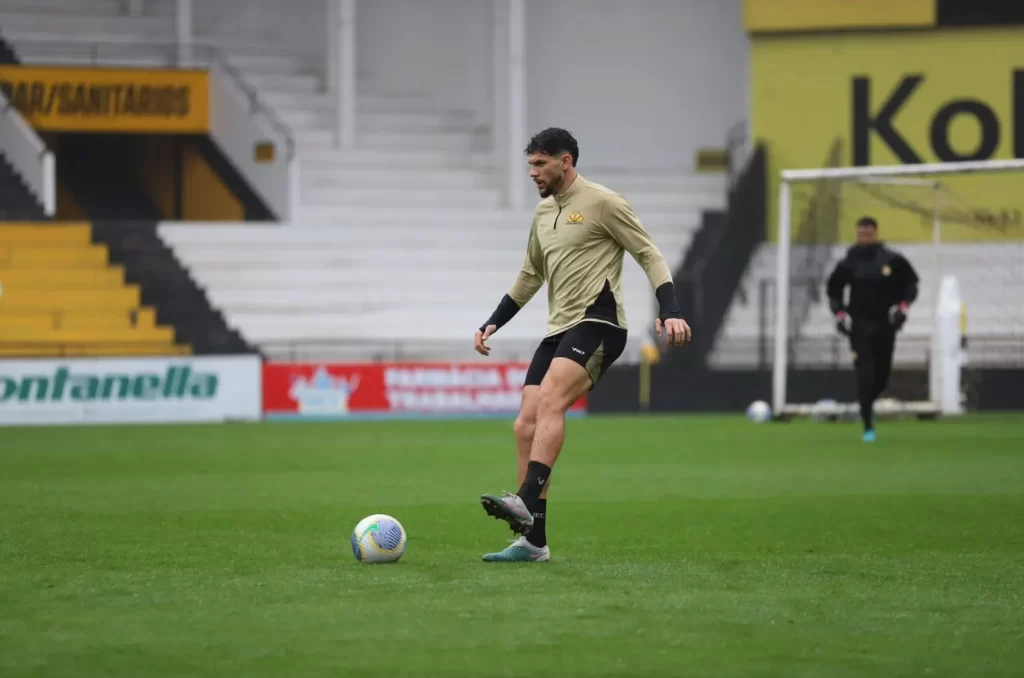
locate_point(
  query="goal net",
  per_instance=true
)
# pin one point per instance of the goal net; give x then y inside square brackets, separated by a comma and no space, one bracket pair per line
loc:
[959,224]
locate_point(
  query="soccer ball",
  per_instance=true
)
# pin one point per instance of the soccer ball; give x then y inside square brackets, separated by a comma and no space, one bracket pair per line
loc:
[378,539]
[824,410]
[759,411]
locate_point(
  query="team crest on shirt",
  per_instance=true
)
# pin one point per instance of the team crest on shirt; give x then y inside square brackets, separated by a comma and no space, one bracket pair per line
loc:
[886,271]
[575,218]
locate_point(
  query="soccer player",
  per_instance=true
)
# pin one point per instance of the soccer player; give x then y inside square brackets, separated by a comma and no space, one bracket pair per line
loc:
[576,243]
[882,285]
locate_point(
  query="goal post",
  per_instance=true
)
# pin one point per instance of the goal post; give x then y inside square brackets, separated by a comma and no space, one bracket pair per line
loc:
[889,187]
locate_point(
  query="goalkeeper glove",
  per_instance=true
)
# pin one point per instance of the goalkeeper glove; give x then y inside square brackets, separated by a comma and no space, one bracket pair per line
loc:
[898,315]
[844,323]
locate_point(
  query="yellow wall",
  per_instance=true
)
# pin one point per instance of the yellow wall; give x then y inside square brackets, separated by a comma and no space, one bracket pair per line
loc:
[67,207]
[803,100]
[154,163]
[205,196]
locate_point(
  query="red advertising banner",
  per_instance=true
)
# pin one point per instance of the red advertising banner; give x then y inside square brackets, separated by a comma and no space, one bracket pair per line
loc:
[325,390]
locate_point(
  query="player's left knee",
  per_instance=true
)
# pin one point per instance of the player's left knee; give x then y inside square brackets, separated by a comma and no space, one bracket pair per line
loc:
[525,428]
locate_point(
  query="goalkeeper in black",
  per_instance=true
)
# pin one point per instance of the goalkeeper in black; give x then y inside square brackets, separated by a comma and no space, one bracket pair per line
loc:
[882,285]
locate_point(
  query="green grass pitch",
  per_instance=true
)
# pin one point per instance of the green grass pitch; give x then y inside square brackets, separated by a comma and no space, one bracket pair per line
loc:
[682,546]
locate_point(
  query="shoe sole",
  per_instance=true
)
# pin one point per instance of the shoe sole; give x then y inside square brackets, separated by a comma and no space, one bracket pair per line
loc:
[497,510]
[542,559]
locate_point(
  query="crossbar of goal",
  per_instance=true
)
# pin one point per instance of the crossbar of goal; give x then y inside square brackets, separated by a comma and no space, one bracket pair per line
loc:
[781,362]
[964,167]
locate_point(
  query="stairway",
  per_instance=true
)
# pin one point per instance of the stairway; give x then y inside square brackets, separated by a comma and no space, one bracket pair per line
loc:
[720,252]
[167,286]
[407,151]
[17,202]
[63,296]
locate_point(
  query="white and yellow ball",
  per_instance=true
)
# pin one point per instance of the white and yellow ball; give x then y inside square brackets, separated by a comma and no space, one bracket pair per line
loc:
[378,539]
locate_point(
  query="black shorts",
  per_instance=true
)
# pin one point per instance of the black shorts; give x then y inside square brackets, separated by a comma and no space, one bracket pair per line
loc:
[593,345]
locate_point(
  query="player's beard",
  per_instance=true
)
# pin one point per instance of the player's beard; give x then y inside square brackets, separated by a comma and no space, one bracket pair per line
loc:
[551,187]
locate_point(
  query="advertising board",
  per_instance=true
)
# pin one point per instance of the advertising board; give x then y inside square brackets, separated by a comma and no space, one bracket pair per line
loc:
[65,99]
[382,390]
[899,98]
[130,390]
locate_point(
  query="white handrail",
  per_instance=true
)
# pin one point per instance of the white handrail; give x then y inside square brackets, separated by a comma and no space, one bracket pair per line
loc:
[28,155]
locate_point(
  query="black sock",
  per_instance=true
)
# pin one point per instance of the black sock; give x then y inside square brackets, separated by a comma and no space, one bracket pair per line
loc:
[867,414]
[538,534]
[536,477]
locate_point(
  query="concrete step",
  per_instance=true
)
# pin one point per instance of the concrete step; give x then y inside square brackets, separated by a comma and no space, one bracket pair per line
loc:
[635,182]
[284,84]
[645,202]
[68,27]
[365,217]
[254,65]
[424,198]
[365,103]
[422,123]
[336,159]
[93,7]
[29,53]
[451,142]
[400,178]
[297,262]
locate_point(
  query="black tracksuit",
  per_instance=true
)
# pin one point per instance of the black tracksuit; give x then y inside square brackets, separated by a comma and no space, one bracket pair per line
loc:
[879,280]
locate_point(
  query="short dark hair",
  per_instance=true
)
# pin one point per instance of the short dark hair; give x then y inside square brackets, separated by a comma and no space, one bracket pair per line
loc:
[867,221]
[554,141]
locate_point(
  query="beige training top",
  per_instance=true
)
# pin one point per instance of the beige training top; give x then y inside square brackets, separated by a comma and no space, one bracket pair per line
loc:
[576,243]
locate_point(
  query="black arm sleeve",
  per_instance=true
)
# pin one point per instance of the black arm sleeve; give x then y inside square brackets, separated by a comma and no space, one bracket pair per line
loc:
[837,283]
[506,310]
[907,279]
[667,306]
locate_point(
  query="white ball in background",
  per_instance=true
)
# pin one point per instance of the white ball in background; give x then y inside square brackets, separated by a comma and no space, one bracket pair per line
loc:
[824,410]
[759,411]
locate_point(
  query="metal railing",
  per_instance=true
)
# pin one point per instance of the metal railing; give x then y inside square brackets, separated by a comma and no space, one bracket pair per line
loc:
[738,149]
[129,53]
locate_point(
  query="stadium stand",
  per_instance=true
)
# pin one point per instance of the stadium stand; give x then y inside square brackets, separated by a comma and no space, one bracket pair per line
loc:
[61,295]
[991,277]
[419,190]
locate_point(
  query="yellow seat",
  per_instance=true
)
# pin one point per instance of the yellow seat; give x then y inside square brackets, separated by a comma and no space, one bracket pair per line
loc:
[115,298]
[61,296]
[91,256]
[142,317]
[31,320]
[20,350]
[51,235]
[150,335]
[98,350]
[17,350]
[110,276]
